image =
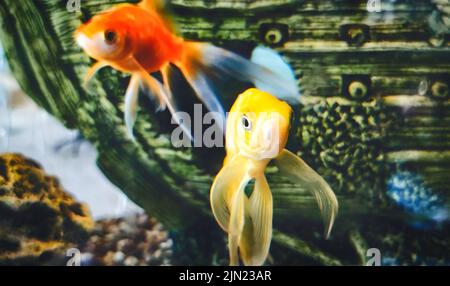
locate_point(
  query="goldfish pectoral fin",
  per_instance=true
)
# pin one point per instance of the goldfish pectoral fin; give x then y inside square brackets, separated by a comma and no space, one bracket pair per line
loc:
[299,172]
[202,87]
[256,238]
[230,179]
[131,97]
[92,71]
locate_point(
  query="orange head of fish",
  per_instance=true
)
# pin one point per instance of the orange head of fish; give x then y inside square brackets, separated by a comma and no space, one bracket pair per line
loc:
[107,36]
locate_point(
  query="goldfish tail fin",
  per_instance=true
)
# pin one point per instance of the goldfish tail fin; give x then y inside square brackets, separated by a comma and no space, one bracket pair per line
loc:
[212,59]
[227,202]
[131,97]
[273,61]
[231,178]
[196,73]
[298,171]
[257,234]
[236,224]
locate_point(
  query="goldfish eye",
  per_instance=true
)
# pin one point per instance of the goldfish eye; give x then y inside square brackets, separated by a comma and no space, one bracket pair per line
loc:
[246,123]
[110,37]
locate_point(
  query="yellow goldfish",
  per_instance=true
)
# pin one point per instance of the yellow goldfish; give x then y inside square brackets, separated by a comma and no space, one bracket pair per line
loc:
[258,129]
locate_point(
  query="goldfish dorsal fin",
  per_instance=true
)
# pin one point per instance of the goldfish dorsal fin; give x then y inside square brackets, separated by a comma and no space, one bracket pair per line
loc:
[160,7]
[156,5]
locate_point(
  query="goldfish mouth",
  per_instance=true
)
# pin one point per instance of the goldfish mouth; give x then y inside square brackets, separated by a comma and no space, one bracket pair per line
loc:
[83,41]
[89,45]
[264,150]
[265,142]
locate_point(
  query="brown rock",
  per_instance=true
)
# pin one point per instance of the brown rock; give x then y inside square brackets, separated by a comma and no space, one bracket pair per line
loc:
[38,219]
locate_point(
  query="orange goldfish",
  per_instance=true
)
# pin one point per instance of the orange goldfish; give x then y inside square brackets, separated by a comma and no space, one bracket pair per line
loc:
[258,129]
[139,40]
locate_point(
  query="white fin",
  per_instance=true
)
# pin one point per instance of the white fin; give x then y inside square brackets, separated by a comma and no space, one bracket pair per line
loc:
[227,202]
[131,97]
[242,69]
[299,172]
[166,72]
[228,180]
[156,90]
[257,233]
[153,92]
[202,87]
[236,223]
[270,59]
[92,71]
